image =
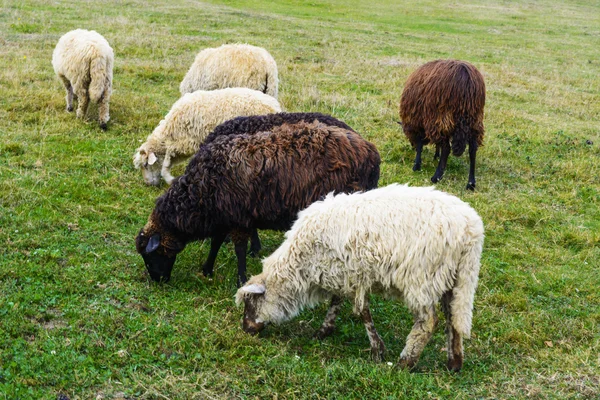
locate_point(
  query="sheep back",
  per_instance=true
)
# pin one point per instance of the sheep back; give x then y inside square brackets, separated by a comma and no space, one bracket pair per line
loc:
[232,65]
[441,96]
[261,123]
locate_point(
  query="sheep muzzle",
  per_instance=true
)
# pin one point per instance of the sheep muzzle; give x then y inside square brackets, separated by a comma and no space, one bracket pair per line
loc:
[251,324]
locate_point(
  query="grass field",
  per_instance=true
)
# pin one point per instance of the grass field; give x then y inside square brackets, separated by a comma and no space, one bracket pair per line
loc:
[79,317]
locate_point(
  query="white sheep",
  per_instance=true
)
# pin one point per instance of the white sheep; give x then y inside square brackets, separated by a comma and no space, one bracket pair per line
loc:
[418,244]
[192,117]
[83,60]
[232,65]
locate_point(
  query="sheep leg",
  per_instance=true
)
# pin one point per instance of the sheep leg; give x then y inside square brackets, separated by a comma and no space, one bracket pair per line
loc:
[69,88]
[425,321]
[437,152]
[328,325]
[439,172]
[165,170]
[240,241]
[255,245]
[419,149]
[215,244]
[103,115]
[377,345]
[472,155]
[83,101]
[454,343]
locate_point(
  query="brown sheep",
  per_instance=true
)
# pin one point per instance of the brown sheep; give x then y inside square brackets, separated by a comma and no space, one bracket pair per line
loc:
[443,102]
[258,179]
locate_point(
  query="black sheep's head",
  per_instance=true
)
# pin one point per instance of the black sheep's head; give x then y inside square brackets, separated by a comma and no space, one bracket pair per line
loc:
[159,251]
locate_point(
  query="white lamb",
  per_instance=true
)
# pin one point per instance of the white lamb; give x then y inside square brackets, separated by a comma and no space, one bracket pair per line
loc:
[232,65]
[192,117]
[418,244]
[83,60]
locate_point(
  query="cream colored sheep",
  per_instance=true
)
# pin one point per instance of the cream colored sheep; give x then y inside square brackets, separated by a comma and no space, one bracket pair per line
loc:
[232,65]
[83,60]
[417,244]
[191,119]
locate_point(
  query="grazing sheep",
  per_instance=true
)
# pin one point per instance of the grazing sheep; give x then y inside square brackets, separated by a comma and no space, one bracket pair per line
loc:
[83,60]
[232,65]
[236,184]
[192,117]
[443,101]
[418,244]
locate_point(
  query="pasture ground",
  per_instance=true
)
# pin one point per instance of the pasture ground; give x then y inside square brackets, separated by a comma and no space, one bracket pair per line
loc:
[79,317]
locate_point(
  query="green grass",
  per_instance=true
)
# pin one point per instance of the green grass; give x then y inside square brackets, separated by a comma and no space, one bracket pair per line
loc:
[79,317]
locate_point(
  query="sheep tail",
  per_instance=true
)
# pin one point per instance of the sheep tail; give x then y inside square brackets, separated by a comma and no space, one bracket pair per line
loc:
[460,137]
[99,78]
[466,282]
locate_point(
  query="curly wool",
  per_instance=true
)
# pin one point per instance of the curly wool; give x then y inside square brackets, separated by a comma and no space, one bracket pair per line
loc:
[263,123]
[190,120]
[413,243]
[444,100]
[232,65]
[83,60]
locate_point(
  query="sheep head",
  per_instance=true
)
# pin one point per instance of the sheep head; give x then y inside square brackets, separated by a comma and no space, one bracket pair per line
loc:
[253,295]
[150,165]
[159,250]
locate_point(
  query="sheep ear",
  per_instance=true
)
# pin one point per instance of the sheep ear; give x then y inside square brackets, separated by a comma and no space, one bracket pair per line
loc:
[255,288]
[152,158]
[153,243]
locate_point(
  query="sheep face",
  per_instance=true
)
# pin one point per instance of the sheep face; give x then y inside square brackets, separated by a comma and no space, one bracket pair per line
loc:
[150,165]
[253,296]
[159,253]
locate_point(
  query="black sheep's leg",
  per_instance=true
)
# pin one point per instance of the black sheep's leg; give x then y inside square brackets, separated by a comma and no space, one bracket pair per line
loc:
[215,244]
[439,172]
[240,240]
[254,243]
[472,155]
[419,149]
[437,152]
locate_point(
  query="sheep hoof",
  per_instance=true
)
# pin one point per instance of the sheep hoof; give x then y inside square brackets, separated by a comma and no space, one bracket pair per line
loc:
[254,252]
[407,363]
[471,186]
[416,167]
[70,108]
[455,364]
[435,179]
[324,332]
[103,126]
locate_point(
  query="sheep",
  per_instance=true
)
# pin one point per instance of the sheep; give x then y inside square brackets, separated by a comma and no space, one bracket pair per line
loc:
[83,60]
[238,183]
[192,117]
[418,244]
[443,101]
[232,65]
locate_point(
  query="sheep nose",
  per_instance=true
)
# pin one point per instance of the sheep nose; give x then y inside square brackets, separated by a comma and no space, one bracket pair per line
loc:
[252,327]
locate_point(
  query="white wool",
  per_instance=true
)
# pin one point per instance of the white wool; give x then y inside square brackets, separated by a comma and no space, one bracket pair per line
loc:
[407,242]
[190,120]
[84,60]
[232,65]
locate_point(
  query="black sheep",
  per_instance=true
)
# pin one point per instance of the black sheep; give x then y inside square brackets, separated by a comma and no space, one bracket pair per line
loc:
[258,179]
